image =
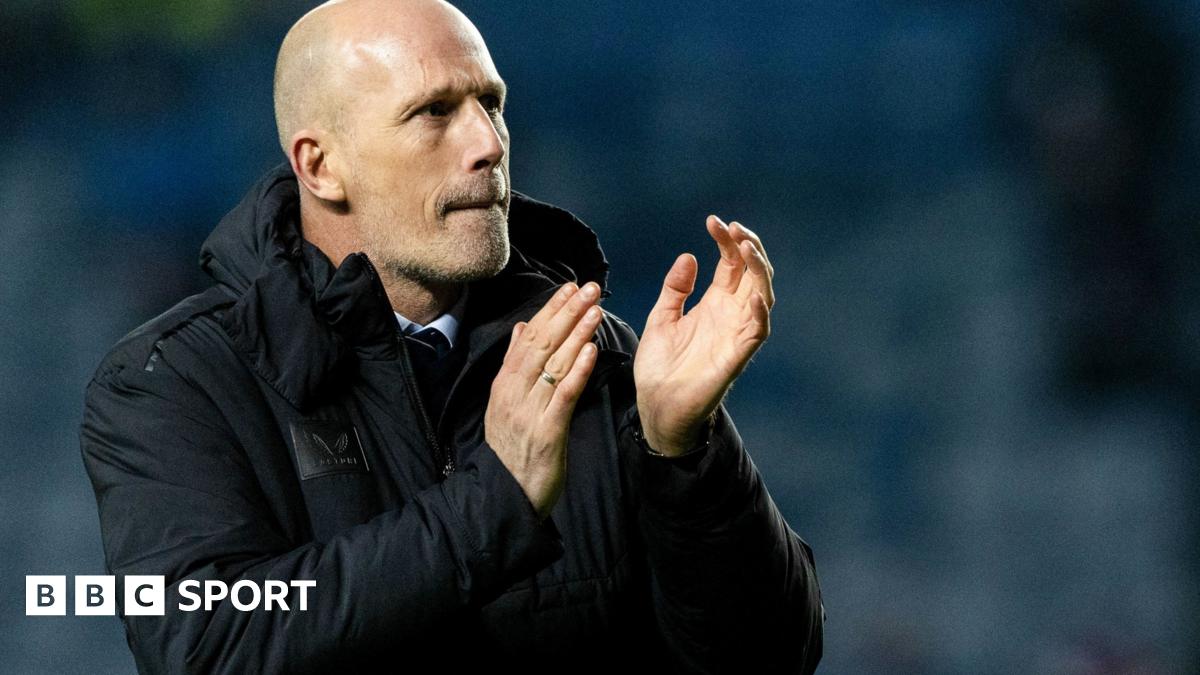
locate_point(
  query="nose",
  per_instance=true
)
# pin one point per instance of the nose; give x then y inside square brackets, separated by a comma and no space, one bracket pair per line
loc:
[485,147]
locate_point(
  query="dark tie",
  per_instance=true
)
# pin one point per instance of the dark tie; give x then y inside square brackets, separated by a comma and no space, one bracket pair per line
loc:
[427,349]
[428,344]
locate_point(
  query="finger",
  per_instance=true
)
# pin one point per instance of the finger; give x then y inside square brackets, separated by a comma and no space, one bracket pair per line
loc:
[741,233]
[755,329]
[512,342]
[758,276]
[566,394]
[730,266]
[560,363]
[540,341]
[759,328]
[554,304]
[677,286]
[543,316]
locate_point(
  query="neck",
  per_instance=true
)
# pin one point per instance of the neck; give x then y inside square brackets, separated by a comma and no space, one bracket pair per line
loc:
[417,300]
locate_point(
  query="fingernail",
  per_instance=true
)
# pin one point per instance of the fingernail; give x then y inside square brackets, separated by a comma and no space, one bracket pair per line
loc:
[590,291]
[593,313]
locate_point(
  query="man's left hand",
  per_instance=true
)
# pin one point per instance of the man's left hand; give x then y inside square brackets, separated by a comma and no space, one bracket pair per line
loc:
[686,362]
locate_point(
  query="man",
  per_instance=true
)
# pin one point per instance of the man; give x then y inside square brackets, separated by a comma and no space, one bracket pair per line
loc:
[505,487]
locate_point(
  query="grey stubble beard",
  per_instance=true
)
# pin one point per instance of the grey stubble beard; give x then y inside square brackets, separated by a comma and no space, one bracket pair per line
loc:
[447,264]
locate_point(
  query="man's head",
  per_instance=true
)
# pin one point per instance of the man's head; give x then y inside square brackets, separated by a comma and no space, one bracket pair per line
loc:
[390,112]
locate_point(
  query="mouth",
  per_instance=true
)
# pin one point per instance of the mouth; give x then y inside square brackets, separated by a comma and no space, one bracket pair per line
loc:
[468,206]
[481,204]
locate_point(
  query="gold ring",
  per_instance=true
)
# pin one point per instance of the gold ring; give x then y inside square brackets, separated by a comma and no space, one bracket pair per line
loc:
[550,379]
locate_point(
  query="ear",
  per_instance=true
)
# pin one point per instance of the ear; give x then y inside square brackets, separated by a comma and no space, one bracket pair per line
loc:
[315,166]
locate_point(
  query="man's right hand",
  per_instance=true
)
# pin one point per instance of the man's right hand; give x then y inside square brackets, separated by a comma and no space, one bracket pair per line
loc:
[527,417]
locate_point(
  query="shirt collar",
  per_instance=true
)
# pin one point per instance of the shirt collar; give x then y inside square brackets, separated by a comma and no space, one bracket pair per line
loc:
[447,323]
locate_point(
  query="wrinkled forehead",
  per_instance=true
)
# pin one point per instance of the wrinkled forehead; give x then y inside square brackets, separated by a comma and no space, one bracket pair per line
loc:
[438,54]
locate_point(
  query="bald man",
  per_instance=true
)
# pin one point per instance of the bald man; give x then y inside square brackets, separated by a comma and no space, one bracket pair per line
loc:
[398,431]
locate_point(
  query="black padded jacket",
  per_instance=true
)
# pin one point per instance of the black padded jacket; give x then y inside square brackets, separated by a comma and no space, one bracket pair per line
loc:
[269,428]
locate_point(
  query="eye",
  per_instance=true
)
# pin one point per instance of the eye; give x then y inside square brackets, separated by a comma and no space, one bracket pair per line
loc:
[436,109]
[490,103]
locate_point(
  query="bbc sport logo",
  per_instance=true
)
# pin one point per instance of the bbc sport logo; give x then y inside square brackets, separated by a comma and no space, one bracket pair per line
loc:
[145,595]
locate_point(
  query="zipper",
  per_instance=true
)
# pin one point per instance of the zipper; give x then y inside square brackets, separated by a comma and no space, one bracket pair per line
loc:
[441,455]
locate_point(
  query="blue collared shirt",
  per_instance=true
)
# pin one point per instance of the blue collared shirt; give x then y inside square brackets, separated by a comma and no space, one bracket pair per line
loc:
[447,323]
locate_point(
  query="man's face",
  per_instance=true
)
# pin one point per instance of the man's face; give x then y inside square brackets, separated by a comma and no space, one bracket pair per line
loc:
[427,150]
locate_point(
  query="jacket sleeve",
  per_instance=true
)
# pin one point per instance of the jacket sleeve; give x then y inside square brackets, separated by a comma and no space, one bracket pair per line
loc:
[734,589]
[177,497]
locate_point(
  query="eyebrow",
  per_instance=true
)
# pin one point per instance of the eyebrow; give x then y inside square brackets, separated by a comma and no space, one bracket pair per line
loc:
[497,87]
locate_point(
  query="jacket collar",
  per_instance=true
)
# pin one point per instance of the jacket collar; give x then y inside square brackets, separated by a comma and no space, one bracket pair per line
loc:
[295,317]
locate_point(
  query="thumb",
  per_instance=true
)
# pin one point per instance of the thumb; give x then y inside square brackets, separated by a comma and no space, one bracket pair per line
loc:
[677,286]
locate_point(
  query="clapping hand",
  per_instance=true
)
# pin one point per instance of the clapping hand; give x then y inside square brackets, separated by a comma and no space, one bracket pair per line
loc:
[685,363]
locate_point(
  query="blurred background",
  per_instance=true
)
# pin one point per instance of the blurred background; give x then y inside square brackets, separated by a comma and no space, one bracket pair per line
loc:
[979,400]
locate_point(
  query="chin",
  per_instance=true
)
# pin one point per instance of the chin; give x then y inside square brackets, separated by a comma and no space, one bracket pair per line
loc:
[489,265]
[489,251]
[485,258]
[464,252]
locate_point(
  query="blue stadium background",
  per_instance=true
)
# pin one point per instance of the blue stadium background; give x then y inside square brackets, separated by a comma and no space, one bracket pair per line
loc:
[979,402]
